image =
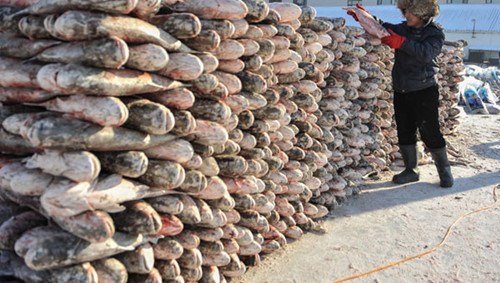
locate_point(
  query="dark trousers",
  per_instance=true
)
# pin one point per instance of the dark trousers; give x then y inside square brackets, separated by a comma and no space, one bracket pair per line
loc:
[418,110]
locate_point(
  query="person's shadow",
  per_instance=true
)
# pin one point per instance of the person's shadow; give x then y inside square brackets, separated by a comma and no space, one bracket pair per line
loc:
[385,194]
[488,150]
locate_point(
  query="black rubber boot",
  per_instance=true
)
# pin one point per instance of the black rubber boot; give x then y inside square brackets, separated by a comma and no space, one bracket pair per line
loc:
[410,174]
[440,158]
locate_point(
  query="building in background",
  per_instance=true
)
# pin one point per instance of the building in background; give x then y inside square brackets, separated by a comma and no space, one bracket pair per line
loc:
[333,3]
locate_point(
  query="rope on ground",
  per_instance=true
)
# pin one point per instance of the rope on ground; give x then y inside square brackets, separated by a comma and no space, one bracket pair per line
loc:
[448,232]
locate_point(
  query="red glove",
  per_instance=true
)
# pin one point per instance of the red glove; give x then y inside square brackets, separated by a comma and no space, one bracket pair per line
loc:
[394,40]
[352,14]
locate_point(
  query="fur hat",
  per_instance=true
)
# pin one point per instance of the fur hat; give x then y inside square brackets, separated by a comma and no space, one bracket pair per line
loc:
[425,9]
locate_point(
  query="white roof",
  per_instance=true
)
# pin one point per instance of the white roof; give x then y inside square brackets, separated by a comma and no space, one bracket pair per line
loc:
[453,17]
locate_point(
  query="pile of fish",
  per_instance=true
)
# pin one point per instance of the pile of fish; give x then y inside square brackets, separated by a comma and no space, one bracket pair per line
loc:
[451,73]
[178,141]
[346,112]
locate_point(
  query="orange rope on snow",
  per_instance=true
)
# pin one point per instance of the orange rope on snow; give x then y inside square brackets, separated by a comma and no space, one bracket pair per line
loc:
[448,232]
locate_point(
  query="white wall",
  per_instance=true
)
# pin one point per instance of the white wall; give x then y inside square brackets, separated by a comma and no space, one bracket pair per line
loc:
[480,39]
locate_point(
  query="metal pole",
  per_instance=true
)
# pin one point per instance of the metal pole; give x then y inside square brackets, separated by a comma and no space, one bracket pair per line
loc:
[473,28]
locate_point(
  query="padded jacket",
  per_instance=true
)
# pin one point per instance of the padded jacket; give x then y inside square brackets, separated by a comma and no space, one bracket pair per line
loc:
[415,66]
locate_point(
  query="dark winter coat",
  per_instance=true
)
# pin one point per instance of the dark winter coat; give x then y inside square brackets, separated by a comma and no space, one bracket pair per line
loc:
[415,66]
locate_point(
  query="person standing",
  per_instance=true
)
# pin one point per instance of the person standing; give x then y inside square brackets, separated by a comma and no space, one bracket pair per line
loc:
[417,42]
